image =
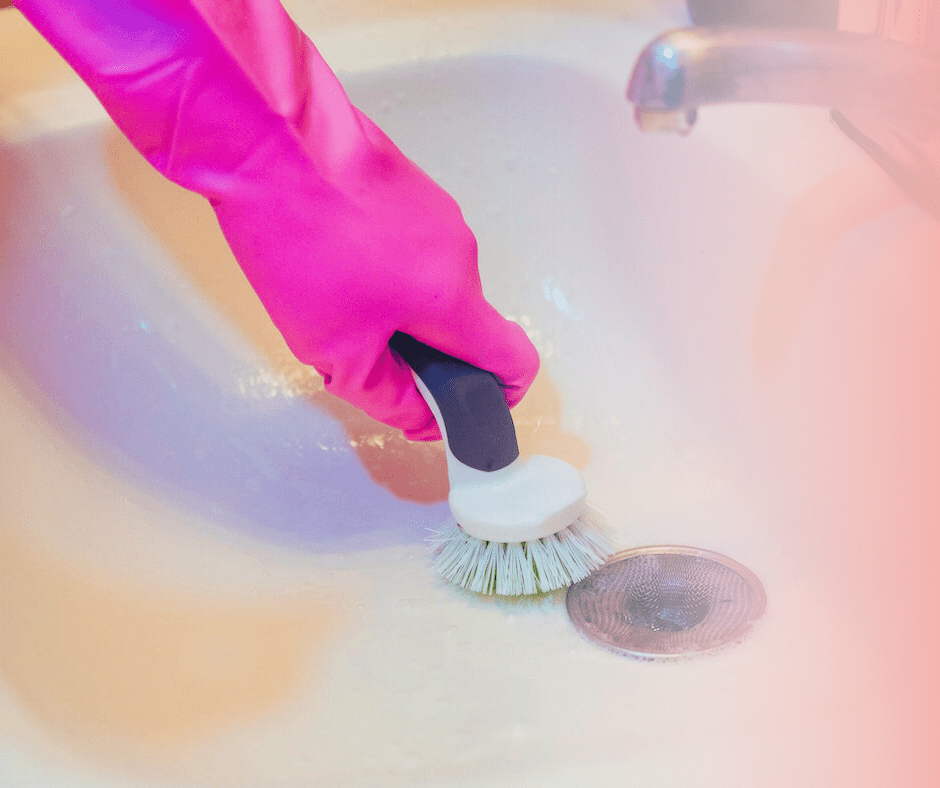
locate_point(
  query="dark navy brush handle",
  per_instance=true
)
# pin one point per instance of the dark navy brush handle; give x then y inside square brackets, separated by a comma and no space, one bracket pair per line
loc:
[479,428]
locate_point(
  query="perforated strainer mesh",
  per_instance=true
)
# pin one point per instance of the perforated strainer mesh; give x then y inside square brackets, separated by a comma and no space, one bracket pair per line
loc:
[667,602]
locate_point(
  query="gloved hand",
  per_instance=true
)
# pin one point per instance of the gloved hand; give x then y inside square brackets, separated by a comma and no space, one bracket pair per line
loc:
[343,239]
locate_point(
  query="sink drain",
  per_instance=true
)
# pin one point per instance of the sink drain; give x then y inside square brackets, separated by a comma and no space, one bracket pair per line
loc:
[667,602]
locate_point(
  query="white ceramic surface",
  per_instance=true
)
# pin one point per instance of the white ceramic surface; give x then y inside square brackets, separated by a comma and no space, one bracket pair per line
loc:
[214,575]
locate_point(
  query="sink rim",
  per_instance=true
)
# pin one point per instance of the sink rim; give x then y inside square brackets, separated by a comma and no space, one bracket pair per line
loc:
[603,47]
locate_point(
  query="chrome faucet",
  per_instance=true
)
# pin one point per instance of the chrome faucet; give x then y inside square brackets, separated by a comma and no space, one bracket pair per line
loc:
[879,73]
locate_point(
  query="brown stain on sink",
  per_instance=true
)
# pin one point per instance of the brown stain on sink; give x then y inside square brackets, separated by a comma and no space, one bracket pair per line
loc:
[186,226]
[539,428]
[119,669]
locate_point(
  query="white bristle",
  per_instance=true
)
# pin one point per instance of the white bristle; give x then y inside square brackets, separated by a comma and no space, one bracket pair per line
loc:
[522,568]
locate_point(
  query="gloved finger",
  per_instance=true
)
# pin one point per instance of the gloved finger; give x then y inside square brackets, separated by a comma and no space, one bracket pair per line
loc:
[475,332]
[363,371]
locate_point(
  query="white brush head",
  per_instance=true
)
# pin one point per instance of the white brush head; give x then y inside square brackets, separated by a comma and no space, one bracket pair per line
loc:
[524,501]
[521,568]
[523,529]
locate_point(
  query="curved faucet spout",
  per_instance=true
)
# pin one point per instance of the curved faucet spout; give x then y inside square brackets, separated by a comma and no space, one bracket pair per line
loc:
[685,69]
[884,94]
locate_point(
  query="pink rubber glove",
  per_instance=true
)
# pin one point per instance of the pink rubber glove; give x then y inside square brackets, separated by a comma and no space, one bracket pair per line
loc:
[343,239]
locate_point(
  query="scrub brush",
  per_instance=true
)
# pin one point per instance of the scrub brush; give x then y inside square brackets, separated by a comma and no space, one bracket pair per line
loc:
[521,526]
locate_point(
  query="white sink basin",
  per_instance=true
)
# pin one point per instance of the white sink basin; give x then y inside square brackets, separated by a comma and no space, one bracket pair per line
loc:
[213,573]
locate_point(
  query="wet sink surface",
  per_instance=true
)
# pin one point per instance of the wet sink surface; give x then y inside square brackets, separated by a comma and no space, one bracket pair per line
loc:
[214,572]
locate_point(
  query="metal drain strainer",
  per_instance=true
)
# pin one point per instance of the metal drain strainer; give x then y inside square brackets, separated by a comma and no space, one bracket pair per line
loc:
[667,602]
